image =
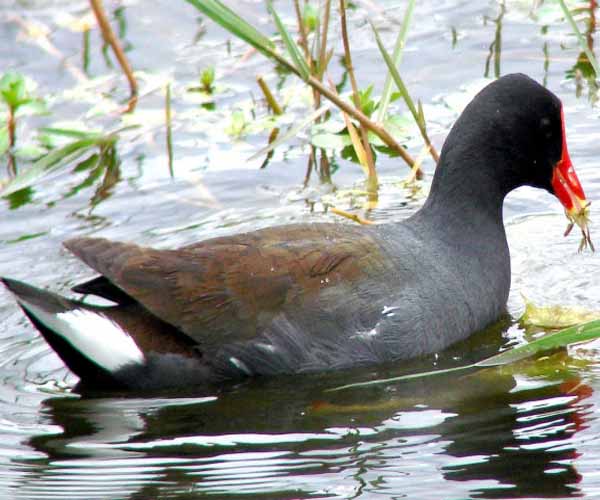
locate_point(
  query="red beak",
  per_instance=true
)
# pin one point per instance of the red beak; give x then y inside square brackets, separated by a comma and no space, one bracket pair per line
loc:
[565,183]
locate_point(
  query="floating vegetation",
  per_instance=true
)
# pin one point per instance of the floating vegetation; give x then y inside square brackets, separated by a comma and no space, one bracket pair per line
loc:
[554,317]
[355,124]
[310,71]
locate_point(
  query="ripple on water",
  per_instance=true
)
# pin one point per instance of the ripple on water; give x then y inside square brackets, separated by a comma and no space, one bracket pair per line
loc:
[547,268]
[490,435]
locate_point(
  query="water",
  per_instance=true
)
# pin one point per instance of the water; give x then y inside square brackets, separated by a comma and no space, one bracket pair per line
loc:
[525,431]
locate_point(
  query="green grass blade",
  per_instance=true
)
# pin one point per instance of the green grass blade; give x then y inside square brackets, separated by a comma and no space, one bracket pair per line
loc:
[50,162]
[290,45]
[396,76]
[401,378]
[573,335]
[421,115]
[580,38]
[397,58]
[416,113]
[72,133]
[4,142]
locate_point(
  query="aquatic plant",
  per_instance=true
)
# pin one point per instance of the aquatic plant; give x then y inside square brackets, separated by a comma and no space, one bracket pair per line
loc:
[97,147]
[309,65]
[15,95]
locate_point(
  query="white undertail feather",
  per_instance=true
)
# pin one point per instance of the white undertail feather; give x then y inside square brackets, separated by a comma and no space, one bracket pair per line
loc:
[97,337]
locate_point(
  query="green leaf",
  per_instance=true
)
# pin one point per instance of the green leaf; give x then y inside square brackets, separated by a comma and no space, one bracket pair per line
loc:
[573,335]
[20,198]
[29,151]
[291,46]
[395,96]
[72,133]
[417,114]
[237,125]
[12,89]
[207,79]
[398,126]
[396,76]
[89,163]
[336,142]
[63,155]
[366,93]
[95,168]
[367,105]
[310,16]
[3,140]
[29,107]
[386,95]
[26,237]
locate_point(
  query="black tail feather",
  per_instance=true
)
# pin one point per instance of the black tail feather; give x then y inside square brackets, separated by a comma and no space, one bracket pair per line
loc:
[181,368]
[47,301]
[102,287]
[52,303]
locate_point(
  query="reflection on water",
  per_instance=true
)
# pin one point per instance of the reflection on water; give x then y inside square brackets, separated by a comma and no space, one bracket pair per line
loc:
[487,435]
[530,431]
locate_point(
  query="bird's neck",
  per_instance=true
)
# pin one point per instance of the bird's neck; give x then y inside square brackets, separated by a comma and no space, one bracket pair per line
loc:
[465,201]
[462,217]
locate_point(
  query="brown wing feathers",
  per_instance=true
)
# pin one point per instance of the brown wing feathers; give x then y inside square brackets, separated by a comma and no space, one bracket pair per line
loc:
[230,287]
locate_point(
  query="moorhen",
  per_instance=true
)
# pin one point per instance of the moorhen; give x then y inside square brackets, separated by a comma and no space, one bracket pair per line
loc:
[307,297]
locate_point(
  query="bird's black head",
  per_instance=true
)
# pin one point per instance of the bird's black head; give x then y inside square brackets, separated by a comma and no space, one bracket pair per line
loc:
[510,135]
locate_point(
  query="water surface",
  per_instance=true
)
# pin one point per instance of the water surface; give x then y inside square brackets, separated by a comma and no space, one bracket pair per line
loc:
[527,431]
